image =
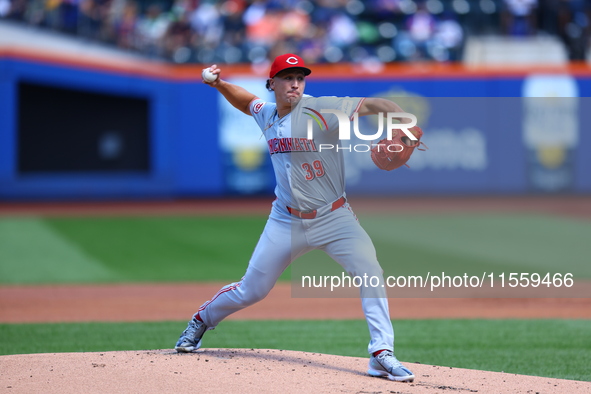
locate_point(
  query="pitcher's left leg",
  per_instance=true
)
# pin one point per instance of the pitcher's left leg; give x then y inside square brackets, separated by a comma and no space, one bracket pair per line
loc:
[355,252]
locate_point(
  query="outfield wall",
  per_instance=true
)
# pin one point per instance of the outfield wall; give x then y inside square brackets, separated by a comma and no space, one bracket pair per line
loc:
[74,128]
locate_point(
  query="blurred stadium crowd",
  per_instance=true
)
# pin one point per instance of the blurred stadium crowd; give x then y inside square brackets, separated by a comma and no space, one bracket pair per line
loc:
[235,31]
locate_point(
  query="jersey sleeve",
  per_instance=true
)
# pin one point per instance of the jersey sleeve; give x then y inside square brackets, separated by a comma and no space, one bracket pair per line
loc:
[261,111]
[346,105]
[350,105]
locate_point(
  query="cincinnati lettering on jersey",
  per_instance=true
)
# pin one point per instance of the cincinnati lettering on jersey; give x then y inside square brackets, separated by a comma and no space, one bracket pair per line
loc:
[285,145]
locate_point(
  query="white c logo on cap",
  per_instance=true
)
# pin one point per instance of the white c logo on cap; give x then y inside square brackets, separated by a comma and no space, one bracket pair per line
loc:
[291,60]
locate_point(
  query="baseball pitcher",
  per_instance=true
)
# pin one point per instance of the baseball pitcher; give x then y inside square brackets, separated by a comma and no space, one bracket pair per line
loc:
[311,209]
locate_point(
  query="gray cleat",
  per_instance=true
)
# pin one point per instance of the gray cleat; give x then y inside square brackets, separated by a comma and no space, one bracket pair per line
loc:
[190,339]
[386,365]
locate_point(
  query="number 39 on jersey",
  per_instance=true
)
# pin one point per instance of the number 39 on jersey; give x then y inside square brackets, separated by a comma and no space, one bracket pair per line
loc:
[314,170]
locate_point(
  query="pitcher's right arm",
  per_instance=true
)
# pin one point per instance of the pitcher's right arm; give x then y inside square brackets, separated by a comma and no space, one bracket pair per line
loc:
[239,97]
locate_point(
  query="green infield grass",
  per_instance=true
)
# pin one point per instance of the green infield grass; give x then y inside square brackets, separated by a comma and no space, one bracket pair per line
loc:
[207,248]
[551,348]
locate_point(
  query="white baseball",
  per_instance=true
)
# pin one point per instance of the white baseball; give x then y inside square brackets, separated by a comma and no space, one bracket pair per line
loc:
[208,76]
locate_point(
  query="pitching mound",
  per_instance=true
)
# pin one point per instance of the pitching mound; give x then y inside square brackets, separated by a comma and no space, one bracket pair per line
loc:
[246,371]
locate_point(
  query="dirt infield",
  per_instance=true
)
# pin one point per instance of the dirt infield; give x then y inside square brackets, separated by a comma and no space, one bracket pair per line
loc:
[571,206]
[157,302]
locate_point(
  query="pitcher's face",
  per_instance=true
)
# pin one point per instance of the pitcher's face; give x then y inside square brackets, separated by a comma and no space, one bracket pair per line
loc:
[289,86]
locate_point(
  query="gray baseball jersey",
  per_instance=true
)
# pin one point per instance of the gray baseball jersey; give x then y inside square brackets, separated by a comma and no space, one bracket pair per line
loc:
[307,178]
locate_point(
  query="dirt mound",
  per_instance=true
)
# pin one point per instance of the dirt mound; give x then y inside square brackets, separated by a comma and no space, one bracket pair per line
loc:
[246,371]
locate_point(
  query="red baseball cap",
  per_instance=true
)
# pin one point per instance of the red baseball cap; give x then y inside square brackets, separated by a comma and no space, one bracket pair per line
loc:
[289,60]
